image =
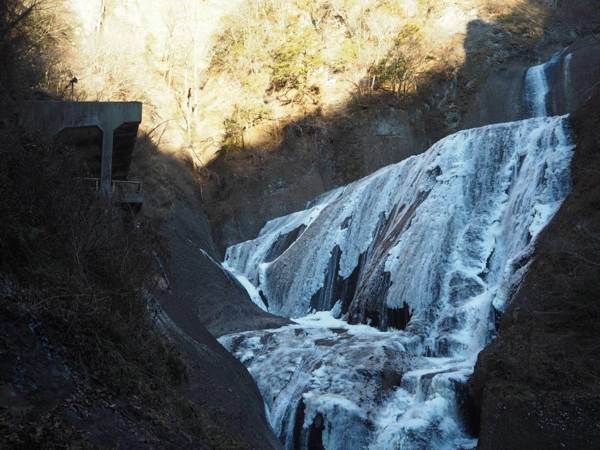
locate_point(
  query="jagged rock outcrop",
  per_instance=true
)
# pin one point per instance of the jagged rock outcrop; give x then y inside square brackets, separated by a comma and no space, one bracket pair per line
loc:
[433,226]
[359,252]
[199,301]
[191,282]
[195,283]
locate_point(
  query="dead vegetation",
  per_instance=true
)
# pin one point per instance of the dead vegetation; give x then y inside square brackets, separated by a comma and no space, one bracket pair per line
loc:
[286,60]
[255,66]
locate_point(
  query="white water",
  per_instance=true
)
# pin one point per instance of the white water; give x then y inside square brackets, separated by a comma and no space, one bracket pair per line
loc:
[537,85]
[472,196]
[454,230]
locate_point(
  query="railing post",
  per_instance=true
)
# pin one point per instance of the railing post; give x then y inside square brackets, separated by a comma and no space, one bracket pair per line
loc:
[107,154]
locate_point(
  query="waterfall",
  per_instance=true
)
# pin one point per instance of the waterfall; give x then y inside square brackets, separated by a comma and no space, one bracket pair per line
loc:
[395,282]
[538,81]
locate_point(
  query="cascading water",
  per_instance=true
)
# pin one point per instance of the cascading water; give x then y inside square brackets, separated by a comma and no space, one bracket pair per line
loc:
[538,82]
[428,251]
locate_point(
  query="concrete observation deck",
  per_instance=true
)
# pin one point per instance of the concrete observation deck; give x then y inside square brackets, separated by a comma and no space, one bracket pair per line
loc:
[104,132]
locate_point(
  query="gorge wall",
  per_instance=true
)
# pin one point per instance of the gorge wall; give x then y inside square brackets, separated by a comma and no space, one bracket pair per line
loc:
[322,151]
[433,246]
[388,354]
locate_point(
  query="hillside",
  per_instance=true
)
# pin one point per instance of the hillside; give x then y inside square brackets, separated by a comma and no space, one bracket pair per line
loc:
[265,91]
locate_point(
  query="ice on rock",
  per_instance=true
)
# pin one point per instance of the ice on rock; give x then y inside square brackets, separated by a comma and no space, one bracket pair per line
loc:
[427,250]
[418,257]
[323,376]
[537,85]
[414,234]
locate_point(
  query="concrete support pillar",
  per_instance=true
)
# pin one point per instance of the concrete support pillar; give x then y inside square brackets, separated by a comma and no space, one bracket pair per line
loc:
[52,117]
[107,156]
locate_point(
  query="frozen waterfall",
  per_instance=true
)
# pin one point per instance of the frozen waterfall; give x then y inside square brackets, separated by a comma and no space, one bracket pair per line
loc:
[457,218]
[395,282]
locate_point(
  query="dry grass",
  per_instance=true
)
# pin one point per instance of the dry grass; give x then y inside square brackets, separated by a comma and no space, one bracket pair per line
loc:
[282,60]
[81,265]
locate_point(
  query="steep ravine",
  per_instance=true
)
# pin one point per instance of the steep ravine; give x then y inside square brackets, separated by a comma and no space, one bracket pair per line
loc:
[429,251]
[199,301]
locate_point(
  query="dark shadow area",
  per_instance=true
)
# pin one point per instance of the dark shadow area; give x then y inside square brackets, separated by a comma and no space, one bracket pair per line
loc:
[89,293]
[124,139]
[76,274]
[88,144]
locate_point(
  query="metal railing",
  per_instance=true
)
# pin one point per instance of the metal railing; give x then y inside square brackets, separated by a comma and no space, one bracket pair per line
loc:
[118,186]
[122,191]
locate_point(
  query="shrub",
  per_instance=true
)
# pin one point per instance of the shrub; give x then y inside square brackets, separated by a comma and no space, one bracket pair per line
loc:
[30,35]
[294,60]
[399,70]
[242,119]
[347,56]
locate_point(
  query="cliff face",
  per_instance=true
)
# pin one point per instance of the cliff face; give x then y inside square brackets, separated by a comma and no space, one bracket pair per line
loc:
[191,283]
[48,401]
[432,246]
[87,357]
[318,154]
[332,147]
[212,99]
[535,386]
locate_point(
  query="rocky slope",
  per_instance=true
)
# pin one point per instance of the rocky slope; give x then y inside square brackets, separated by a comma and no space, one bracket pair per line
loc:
[536,386]
[380,252]
[190,280]
[48,401]
[92,355]
[320,149]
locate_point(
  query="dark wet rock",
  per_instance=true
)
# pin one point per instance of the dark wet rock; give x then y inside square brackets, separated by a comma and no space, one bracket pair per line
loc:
[220,384]
[325,342]
[572,79]
[197,285]
[200,300]
[283,243]
[319,380]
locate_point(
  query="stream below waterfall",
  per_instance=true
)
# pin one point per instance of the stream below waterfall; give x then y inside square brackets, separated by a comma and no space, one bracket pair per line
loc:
[396,282]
